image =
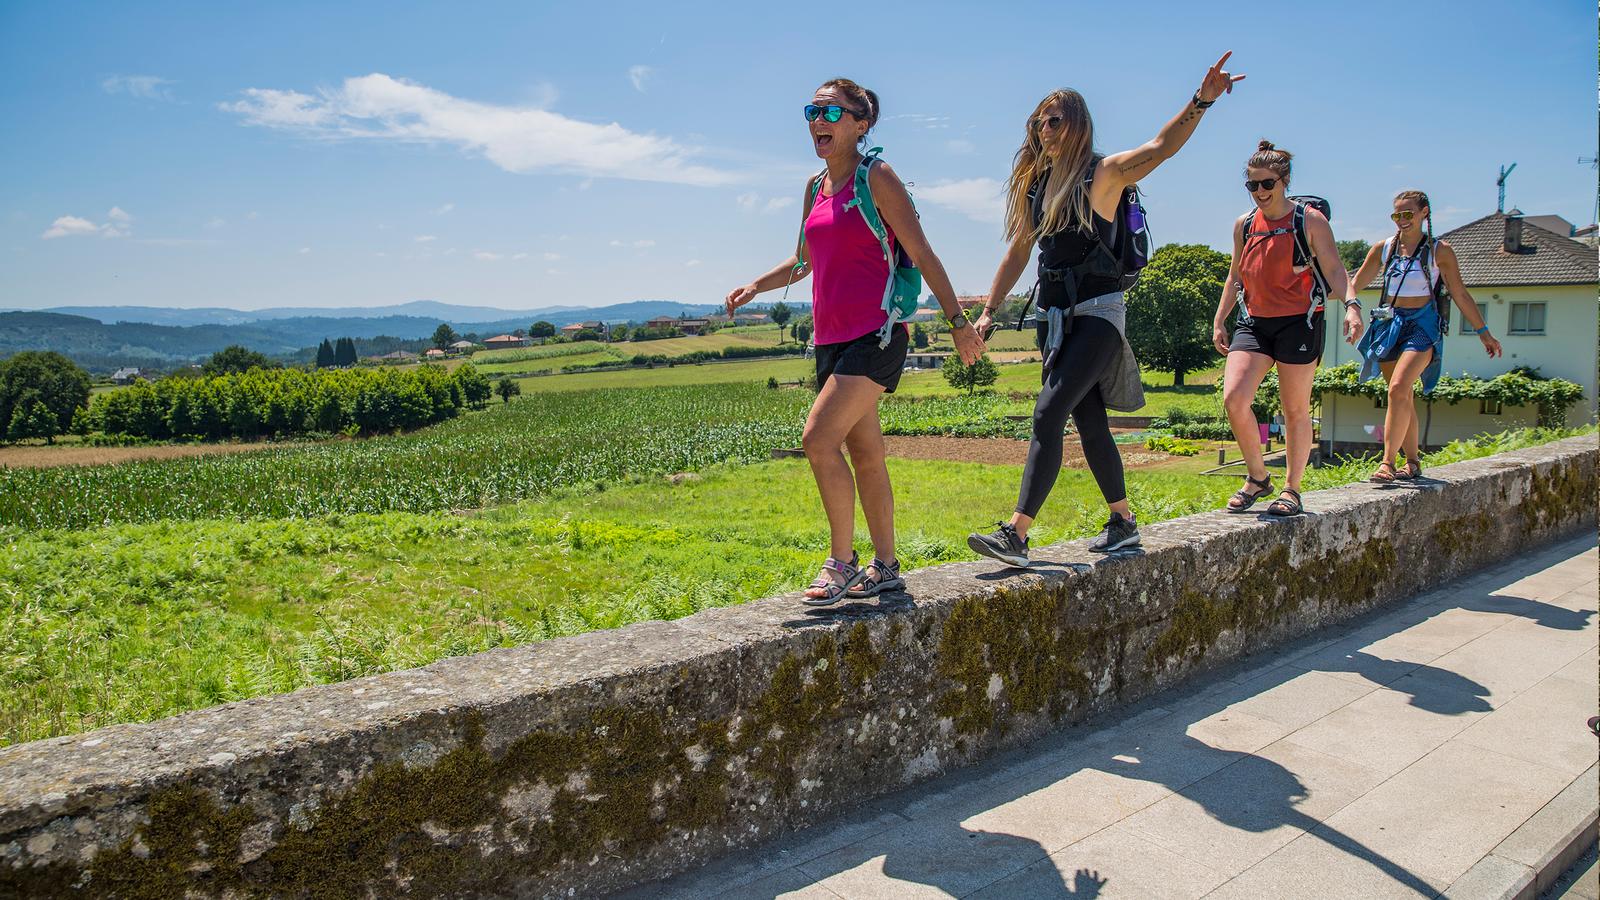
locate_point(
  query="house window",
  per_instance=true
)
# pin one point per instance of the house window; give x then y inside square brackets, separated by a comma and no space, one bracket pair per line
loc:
[1489,407]
[1483,313]
[1527,318]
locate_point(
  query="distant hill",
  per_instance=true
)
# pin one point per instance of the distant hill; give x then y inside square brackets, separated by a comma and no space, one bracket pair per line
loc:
[99,347]
[102,346]
[457,316]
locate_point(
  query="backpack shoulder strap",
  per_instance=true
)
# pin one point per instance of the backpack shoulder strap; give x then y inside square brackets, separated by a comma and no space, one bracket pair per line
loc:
[805,213]
[1306,256]
[863,199]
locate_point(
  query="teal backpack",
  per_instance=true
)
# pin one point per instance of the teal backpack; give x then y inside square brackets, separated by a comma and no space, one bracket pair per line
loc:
[905,282]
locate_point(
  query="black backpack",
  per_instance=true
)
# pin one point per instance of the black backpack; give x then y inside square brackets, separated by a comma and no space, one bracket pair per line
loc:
[1302,249]
[1125,257]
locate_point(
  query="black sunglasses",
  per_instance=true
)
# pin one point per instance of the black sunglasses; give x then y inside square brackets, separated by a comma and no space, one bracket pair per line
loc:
[1265,184]
[830,113]
[1052,121]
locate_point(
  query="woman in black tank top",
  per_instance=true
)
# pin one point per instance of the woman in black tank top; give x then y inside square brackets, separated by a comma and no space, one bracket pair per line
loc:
[1063,197]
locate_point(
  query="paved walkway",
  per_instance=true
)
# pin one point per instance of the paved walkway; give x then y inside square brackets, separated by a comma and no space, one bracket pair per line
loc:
[1400,756]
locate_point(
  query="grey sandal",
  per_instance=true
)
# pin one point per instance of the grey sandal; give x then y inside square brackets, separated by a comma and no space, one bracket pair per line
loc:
[851,571]
[881,576]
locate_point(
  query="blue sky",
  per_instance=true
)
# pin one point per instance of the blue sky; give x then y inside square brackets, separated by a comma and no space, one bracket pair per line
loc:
[525,155]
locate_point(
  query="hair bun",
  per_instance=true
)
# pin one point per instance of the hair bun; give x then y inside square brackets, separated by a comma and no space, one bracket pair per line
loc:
[1265,145]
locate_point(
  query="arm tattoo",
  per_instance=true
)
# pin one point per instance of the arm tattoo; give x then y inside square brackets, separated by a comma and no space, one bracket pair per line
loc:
[1190,116]
[1136,162]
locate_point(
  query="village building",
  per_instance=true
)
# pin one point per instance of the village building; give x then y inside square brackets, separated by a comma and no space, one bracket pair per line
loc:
[505,342]
[435,353]
[596,327]
[1536,291]
[127,376]
[462,347]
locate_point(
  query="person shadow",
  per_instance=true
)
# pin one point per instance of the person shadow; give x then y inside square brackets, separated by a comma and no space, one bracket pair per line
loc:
[1011,826]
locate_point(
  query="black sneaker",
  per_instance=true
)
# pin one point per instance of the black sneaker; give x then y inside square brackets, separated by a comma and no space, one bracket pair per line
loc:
[1118,533]
[1003,544]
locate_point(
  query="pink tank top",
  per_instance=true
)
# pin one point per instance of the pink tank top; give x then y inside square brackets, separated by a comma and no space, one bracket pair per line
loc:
[848,271]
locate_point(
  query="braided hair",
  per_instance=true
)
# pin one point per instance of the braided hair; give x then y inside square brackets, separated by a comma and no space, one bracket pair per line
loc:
[1421,199]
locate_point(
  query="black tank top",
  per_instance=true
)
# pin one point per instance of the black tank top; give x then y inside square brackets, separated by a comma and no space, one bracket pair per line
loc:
[1069,247]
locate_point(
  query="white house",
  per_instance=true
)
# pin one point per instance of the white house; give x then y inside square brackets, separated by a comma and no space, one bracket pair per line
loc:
[1536,290]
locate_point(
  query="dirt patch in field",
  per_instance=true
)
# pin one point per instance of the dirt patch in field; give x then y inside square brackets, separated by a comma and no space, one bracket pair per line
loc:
[34,457]
[1004,451]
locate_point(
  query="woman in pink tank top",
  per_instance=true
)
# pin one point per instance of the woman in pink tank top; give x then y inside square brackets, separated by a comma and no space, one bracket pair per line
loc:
[854,367]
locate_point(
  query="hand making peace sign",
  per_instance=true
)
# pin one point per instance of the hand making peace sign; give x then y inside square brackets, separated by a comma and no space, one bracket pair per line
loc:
[1218,81]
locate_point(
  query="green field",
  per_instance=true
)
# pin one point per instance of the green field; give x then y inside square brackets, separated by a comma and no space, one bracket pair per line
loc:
[754,371]
[134,622]
[555,357]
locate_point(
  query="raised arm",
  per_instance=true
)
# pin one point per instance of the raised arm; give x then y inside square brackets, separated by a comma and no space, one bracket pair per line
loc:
[1230,288]
[1119,170]
[894,205]
[1450,269]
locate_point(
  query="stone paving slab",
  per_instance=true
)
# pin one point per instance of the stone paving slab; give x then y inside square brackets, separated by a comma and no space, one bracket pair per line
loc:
[1435,749]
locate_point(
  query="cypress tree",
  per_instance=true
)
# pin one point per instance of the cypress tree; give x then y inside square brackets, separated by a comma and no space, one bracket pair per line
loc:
[325,354]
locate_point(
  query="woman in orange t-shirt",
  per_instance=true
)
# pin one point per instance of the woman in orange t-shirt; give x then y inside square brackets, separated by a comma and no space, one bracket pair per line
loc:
[1280,322]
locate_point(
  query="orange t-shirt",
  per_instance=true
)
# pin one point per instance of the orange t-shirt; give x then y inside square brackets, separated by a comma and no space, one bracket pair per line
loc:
[1266,266]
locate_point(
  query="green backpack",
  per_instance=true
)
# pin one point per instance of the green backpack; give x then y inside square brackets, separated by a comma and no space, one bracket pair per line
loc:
[905,282]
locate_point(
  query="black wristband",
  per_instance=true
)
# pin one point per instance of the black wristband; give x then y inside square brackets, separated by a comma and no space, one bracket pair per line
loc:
[1200,104]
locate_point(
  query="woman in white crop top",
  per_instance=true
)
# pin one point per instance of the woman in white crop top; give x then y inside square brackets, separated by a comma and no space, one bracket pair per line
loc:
[1406,341]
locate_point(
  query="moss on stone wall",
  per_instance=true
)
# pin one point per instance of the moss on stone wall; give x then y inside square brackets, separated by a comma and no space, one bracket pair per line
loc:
[1266,595]
[1020,637]
[1564,492]
[618,782]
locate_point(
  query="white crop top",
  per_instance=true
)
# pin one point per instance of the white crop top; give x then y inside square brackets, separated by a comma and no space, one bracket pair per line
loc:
[1403,276]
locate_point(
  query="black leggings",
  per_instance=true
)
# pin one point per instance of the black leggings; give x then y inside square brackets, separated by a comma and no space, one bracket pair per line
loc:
[1072,386]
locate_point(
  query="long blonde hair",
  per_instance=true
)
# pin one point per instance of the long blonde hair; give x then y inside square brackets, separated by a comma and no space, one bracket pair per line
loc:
[1066,196]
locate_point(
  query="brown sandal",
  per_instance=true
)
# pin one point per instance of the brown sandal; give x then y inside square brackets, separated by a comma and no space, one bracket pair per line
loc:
[1411,472]
[1382,476]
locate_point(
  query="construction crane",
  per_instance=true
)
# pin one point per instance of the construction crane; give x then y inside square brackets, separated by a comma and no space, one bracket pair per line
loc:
[1593,163]
[1501,183]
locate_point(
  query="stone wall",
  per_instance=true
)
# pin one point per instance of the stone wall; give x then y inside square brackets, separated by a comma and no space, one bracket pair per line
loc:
[586,764]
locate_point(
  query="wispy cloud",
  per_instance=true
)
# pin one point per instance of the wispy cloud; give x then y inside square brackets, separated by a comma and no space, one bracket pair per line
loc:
[960,145]
[304,250]
[691,263]
[444,208]
[485,255]
[552,257]
[640,244]
[424,238]
[517,139]
[639,75]
[932,123]
[145,87]
[980,199]
[117,224]
[751,202]
[216,223]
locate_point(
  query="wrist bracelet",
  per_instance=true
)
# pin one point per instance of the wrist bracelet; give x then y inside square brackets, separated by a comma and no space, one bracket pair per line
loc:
[1480,331]
[1352,304]
[1200,104]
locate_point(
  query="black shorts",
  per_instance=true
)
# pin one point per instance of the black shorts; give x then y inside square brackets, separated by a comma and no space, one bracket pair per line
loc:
[1284,338]
[862,356]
